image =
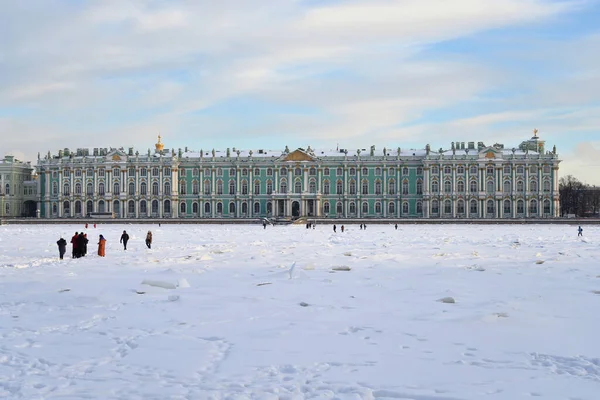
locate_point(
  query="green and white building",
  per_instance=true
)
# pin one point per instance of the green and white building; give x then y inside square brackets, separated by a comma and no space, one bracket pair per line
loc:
[18,189]
[462,181]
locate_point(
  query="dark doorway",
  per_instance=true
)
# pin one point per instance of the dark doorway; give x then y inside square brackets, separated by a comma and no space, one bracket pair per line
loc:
[295,209]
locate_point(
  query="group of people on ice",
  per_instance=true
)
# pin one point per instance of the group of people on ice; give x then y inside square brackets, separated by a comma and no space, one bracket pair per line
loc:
[79,243]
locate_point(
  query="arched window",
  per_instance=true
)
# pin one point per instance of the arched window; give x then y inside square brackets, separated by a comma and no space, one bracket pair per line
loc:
[435,187]
[339,207]
[404,171]
[520,169]
[256,187]
[490,186]
[257,208]
[352,208]
[55,188]
[155,207]
[447,170]
[419,186]
[244,187]
[520,186]
[405,186]
[207,208]
[195,187]
[473,207]
[244,208]
[391,208]
[219,187]
[435,207]
[78,207]
[143,208]
[506,187]
[195,208]
[419,171]
[447,207]
[231,187]
[339,187]
[283,171]
[269,186]
[378,207]
[533,187]
[298,172]
[520,207]
[78,188]
[131,188]
[506,207]
[312,171]
[378,187]
[182,188]
[490,207]
[377,171]
[297,187]
[89,189]
[66,189]
[269,172]
[547,207]
[89,207]
[326,189]
[460,186]
[131,208]
[365,187]
[155,188]
[116,188]
[352,171]
[283,186]
[206,186]
[405,208]
[219,208]
[533,207]
[182,207]
[325,207]
[117,208]
[460,170]
[365,207]
[167,207]
[231,208]
[340,172]
[167,189]
[326,171]
[460,206]
[392,186]
[419,208]
[352,186]
[473,186]
[101,206]
[547,186]
[54,208]
[312,186]
[447,186]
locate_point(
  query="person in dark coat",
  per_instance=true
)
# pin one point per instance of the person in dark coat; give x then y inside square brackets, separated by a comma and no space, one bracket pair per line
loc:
[74,244]
[124,239]
[82,242]
[334,227]
[62,247]
[149,239]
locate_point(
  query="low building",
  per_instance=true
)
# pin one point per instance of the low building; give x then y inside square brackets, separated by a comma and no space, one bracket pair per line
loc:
[18,189]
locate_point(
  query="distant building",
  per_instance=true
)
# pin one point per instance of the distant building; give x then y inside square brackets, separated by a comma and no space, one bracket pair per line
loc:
[18,189]
[464,181]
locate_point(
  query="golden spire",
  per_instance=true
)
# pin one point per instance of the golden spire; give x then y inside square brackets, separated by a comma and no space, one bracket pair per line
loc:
[159,146]
[535,131]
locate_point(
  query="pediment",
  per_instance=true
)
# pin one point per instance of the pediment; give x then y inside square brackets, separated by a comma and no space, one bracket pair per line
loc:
[298,155]
[116,155]
[490,153]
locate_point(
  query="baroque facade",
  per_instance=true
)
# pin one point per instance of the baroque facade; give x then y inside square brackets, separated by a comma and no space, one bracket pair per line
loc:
[18,189]
[472,181]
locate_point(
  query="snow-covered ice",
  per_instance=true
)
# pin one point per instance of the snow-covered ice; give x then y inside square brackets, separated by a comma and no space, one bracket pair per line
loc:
[242,312]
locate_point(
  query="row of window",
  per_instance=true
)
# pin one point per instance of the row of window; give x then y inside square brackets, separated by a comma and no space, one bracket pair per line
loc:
[507,169]
[365,209]
[312,171]
[312,187]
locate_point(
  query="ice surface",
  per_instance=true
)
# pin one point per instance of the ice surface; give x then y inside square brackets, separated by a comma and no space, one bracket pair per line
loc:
[233,325]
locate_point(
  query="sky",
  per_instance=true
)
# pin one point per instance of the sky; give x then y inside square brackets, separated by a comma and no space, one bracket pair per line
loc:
[324,73]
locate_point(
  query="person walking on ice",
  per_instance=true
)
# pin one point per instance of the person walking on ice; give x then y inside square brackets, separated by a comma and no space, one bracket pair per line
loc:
[101,246]
[62,247]
[149,239]
[579,231]
[124,239]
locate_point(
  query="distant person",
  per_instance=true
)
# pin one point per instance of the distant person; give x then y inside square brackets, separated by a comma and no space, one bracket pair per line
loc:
[342,228]
[81,245]
[361,227]
[149,239]
[264,224]
[94,225]
[86,225]
[334,228]
[62,247]
[396,226]
[74,244]
[101,246]
[124,239]
[580,231]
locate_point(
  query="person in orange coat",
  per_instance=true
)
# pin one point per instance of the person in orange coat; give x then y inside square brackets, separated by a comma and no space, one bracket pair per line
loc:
[101,246]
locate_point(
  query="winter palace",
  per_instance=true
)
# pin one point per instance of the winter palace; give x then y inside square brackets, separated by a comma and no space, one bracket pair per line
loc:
[469,180]
[464,181]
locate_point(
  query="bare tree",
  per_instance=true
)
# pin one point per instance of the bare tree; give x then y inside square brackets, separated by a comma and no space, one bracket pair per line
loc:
[571,192]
